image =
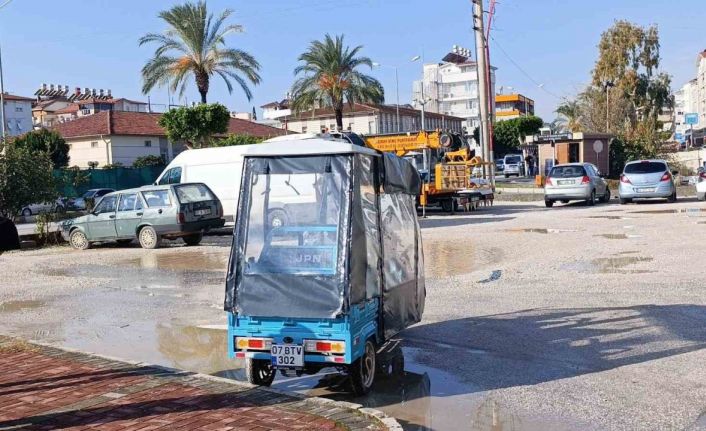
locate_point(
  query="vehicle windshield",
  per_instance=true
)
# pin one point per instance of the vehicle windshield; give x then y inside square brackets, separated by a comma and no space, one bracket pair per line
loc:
[567,172]
[193,193]
[89,194]
[645,168]
[513,159]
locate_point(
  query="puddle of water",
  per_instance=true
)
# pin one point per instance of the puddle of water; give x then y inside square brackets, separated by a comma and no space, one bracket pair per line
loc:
[495,275]
[612,236]
[691,212]
[539,230]
[629,252]
[448,258]
[181,261]
[610,265]
[22,305]
[610,217]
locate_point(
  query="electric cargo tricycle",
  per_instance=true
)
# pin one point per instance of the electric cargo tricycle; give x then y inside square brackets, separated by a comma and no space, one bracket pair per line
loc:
[326,263]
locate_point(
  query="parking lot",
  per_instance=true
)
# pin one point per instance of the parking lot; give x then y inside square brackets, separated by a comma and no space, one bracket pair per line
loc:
[570,318]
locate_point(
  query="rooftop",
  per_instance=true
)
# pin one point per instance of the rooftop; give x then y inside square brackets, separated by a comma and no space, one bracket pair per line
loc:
[363,108]
[8,96]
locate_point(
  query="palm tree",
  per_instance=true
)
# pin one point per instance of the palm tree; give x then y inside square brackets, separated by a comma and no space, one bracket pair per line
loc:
[329,78]
[194,45]
[571,111]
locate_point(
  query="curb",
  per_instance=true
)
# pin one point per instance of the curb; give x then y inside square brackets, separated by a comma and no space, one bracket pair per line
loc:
[333,407]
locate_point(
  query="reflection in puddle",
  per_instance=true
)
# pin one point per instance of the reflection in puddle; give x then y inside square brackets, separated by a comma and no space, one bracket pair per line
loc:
[539,230]
[15,306]
[610,217]
[691,212]
[609,265]
[202,349]
[447,258]
[181,261]
[617,236]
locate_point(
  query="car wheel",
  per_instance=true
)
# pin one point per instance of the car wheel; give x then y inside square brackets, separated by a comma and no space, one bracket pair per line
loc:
[78,240]
[148,237]
[507,176]
[449,205]
[277,218]
[592,199]
[701,196]
[259,372]
[60,209]
[26,212]
[194,239]
[549,204]
[606,196]
[625,201]
[362,370]
[672,198]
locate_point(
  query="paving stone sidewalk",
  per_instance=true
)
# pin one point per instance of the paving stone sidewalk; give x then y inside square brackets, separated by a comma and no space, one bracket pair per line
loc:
[43,388]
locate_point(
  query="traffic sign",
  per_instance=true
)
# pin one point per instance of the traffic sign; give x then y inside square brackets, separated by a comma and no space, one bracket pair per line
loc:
[691,118]
[597,145]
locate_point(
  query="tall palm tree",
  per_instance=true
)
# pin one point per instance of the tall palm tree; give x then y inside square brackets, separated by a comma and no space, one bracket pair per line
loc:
[571,111]
[329,78]
[194,44]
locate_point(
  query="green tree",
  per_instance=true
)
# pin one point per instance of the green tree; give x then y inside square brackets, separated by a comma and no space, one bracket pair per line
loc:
[26,177]
[195,125]
[509,134]
[231,140]
[328,77]
[45,141]
[570,113]
[145,161]
[194,45]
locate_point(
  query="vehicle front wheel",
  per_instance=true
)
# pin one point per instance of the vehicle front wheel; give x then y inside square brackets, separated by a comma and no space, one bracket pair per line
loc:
[26,212]
[259,372]
[79,240]
[549,204]
[362,371]
[592,199]
[194,239]
[148,237]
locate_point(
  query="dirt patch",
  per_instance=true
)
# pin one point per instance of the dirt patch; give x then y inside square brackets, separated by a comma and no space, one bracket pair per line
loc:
[447,258]
[16,346]
[15,306]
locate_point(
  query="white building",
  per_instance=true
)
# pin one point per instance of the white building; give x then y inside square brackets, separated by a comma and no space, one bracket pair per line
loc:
[368,119]
[18,111]
[451,88]
[701,88]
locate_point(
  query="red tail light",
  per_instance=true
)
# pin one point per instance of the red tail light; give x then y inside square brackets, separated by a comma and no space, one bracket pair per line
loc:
[666,177]
[323,347]
[585,180]
[548,181]
[624,179]
[702,176]
[181,218]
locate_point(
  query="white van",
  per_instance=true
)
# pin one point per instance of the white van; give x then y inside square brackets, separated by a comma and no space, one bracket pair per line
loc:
[219,168]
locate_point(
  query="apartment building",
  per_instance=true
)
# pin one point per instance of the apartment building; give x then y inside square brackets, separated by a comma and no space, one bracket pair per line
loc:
[508,106]
[18,113]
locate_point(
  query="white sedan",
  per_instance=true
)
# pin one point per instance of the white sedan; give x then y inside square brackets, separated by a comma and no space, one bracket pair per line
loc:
[46,207]
[701,186]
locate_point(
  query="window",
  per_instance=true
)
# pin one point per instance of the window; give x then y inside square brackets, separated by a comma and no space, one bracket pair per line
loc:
[94,144]
[567,172]
[157,198]
[127,202]
[645,168]
[148,143]
[106,205]
[18,109]
[172,176]
[194,193]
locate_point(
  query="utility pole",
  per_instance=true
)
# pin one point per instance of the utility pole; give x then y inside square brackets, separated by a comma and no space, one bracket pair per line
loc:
[482,82]
[2,102]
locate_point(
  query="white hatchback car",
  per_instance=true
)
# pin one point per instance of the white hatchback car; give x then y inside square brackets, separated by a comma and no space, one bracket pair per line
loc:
[575,182]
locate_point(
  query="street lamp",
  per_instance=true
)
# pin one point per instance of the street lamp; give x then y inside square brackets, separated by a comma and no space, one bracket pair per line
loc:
[424,100]
[607,84]
[397,90]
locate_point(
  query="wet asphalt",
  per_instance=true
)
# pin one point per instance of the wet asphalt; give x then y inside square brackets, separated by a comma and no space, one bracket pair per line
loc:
[565,318]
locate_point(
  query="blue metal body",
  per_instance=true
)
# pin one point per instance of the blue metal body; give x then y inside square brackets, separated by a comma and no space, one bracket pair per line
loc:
[354,328]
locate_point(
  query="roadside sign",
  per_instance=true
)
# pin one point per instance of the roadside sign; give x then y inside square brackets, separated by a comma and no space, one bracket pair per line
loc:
[598,146]
[679,137]
[691,118]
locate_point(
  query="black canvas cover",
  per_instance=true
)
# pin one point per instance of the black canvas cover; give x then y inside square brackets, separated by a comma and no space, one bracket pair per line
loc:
[400,176]
[9,240]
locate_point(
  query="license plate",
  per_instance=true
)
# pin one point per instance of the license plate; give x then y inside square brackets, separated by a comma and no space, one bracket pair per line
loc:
[206,211]
[565,183]
[287,355]
[646,190]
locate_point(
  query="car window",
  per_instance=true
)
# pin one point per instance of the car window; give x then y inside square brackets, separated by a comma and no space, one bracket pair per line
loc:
[106,205]
[89,194]
[645,168]
[513,159]
[127,202]
[138,203]
[193,193]
[157,198]
[165,178]
[567,172]
[591,171]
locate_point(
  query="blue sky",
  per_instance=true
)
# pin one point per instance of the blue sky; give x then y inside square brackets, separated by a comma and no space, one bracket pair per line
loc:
[93,43]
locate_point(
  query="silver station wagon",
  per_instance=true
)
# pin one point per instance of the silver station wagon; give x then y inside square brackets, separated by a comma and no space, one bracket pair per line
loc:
[150,214]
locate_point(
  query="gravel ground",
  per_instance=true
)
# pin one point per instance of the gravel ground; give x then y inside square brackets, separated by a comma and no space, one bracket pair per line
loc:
[566,318]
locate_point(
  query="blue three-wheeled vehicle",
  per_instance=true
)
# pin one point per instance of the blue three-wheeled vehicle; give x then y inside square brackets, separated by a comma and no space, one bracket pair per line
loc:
[326,263]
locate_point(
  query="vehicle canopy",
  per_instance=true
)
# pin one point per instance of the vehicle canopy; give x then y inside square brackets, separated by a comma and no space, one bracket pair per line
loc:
[351,234]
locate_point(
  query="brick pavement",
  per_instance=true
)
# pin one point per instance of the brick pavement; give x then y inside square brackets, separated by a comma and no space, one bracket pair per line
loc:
[44,388]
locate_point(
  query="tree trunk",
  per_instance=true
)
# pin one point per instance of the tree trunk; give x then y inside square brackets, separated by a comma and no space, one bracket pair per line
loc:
[202,84]
[339,118]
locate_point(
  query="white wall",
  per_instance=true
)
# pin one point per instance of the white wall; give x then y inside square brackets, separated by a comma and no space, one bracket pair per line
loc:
[114,149]
[125,149]
[84,150]
[19,117]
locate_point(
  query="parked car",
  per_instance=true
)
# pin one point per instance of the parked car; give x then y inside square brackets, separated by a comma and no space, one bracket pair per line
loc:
[87,199]
[701,185]
[499,165]
[45,207]
[513,165]
[150,214]
[575,182]
[647,179]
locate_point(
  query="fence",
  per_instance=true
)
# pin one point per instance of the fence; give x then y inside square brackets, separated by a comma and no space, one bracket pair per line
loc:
[117,178]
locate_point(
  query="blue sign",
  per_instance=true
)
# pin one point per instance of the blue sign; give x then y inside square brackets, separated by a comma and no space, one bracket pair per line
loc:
[679,137]
[691,118]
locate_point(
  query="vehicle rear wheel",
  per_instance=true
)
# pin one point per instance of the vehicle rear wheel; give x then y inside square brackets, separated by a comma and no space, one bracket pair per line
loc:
[194,239]
[549,204]
[148,237]
[606,196]
[592,199]
[672,198]
[277,218]
[625,201]
[26,212]
[259,372]
[362,371]
[79,240]
[449,205]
